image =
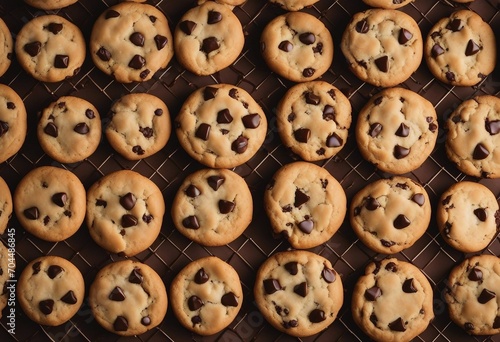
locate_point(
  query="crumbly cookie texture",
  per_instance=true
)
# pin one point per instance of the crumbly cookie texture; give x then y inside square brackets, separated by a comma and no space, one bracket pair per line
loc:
[50,290]
[221,126]
[131,42]
[7,265]
[208,38]
[293,5]
[298,292]
[6,47]
[472,295]
[468,216]
[472,136]
[212,207]
[297,46]
[313,120]
[397,130]
[124,212]
[69,129]
[50,48]
[392,301]
[50,4]
[206,295]
[388,4]
[5,205]
[382,46]
[139,126]
[390,215]
[460,49]
[49,202]
[128,298]
[13,122]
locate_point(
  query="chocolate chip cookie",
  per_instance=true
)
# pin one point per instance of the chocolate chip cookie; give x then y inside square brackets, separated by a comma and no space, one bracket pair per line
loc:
[50,290]
[49,202]
[297,46]
[208,38]
[472,292]
[5,205]
[472,138]
[388,4]
[124,212]
[298,292]
[13,122]
[293,5]
[50,4]
[212,207]
[305,204]
[389,215]
[221,126]
[468,216]
[131,42]
[7,265]
[382,46]
[313,120]
[206,295]
[397,130]
[69,129]
[128,298]
[50,48]
[392,301]
[6,47]
[460,49]
[139,125]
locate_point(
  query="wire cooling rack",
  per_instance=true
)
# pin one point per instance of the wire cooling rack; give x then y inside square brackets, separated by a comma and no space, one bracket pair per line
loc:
[171,251]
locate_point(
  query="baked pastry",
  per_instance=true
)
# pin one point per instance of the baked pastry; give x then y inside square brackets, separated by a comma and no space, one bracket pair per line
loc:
[5,205]
[6,47]
[13,122]
[293,5]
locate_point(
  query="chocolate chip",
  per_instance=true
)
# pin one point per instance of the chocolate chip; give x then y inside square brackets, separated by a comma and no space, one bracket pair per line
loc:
[433,127]
[308,72]
[147,218]
[144,73]
[301,289]
[203,131]
[120,324]
[69,298]
[292,267]
[251,120]
[152,18]
[362,26]
[137,62]
[450,76]
[455,25]
[145,320]
[209,93]
[403,130]
[103,54]
[138,150]
[229,299]
[225,207]
[328,275]
[117,294]
[214,17]
[302,135]
[11,105]
[328,113]
[271,285]
[233,93]
[404,36]
[128,201]
[33,48]
[397,325]
[436,50]
[191,222]
[54,270]
[201,277]
[496,322]
[371,203]
[373,293]
[419,199]
[375,129]
[192,191]
[36,267]
[377,101]
[468,326]
[306,226]
[46,220]
[224,116]
[481,214]
[89,113]
[101,203]
[333,140]
[472,48]
[112,14]
[382,63]
[187,26]
[485,296]
[46,306]
[307,38]
[300,198]
[286,46]
[401,222]
[475,274]
[391,266]
[159,112]
[386,243]
[215,182]
[81,128]
[480,152]
[373,319]
[194,303]
[161,41]
[317,316]
[318,48]
[146,131]
[291,324]
[129,221]
[31,213]
[493,127]
[135,276]
[400,152]
[51,129]
[196,320]
[61,61]
[209,44]
[59,199]
[54,28]
[240,145]
[409,286]
[137,39]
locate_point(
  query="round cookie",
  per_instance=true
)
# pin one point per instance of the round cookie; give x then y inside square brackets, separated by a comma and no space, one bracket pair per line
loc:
[69,129]
[293,5]
[221,126]
[7,265]
[13,122]
[389,215]
[206,295]
[313,120]
[297,46]
[472,292]
[382,46]
[208,38]
[49,202]
[50,48]
[460,49]
[212,207]
[139,125]
[305,204]
[392,301]
[5,205]
[472,136]
[50,290]
[6,47]
[124,212]
[128,298]
[388,4]
[298,292]
[468,216]
[397,130]
[131,41]
[50,4]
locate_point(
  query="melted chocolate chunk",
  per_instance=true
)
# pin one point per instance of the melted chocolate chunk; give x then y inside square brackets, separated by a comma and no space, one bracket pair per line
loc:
[33,48]
[194,303]
[89,113]
[226,207]
[192,191]
[308,72]
[328,113]
[203,131]
[436,50]
[404,36]
[419,199]
[196,320]
[373,319]
[215,182]
[129,221]
[137,39]
[375,129]
[493,127]
[318,48]
[475,274]
[36,267]
[292,267]
[472,48]
[400,152]
[145,320]
[138,150]
[240,145]
[101,203]
[144,73]
[146,131]
[59,199]
[103,54]
[201,277]
[373,293]
[11,105]
[307,38]
[450,76]
[117,294]
[135,276]
[485,296]
[397,325]
[31,213]
[401,222]
[46,306]
[302,135]
[152,18]
[333,140]
[409,286]
[291,324]
[362,26]
[481,214]
[271,285]
[455,25]
[300,198]
[214,17]
[468,326]
[391,267]
[328,275]
[69,298]
[382,63]
[301,289]
[371,203]
[160,41]
[480,152]
[147,218]
[54,270]
[317,316]
[112,14]
[82,128]
[120,324]
[496,322]
[137,62]
[209,44]
[187,26]
[191,222]
[159,112]
[51,129]
[386,243]
[233,93]
[306,226]
[251,120]
[286,46]
[61,61]
[54,28]
[224,116]
[403,130]
[229,299]
[128,201]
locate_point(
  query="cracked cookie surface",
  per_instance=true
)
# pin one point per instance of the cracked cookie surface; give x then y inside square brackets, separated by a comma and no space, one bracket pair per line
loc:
[460,49]
[298,292]
[212,207]
[13,122]
[139,125]
[206,295]
[128,298]
[305,204]
[131,42]
[472,138]
[468,216]
[6,47]
[50,290]
[49,202]
[389,215]
[124,212]
[392,301]
[221,126]
[382,46]
[297,46]
[397,130]
[473,294]
[5,205]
